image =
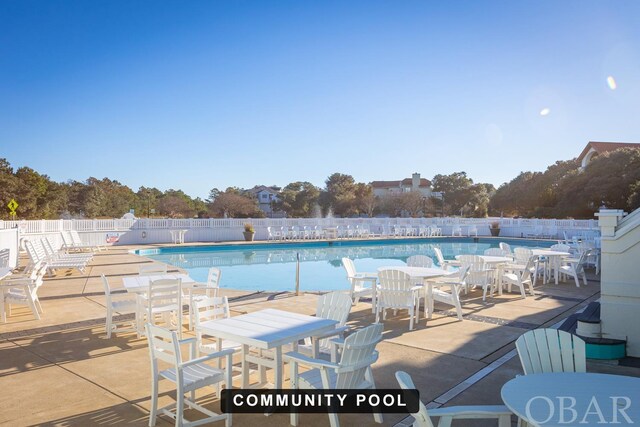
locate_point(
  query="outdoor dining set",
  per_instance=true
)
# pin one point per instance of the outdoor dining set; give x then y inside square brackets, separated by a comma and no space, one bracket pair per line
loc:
[424,281]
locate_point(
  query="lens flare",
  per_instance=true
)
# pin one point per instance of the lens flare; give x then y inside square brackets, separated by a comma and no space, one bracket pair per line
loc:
[611,82]
[545,112]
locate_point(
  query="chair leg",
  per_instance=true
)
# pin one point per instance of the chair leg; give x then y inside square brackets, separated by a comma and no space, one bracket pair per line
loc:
[154,402]
[179,406]
[504,421]
[108,322]
[575,276]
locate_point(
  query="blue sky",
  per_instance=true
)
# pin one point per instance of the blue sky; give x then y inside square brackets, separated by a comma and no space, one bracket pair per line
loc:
[196,95]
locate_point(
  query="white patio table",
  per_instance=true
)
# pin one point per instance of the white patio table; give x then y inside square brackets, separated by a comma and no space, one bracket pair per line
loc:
[268,329]
[537,399]
[555,257]
[423,274]
[178,236]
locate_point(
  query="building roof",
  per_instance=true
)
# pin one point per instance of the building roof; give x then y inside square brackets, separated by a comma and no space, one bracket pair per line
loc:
[393,184]
[603,147]
[259,188]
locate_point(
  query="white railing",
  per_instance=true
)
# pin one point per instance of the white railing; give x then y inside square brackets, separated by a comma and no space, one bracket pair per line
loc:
[156,230]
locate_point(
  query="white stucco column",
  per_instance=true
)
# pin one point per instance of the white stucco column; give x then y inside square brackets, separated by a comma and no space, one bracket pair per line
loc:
[620,277]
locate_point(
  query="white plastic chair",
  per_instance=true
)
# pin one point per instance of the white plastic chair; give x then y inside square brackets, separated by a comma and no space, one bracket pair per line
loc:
[397,292]
[456,284]
[22,290]
[420,261]
[472,229]
[423,417]
[199,291]
[120,305]
[456,230]
[478,274]
[352,372]
[494,252]
[520,277]
[444,264]
[574,267]
[164,297]
[506,248]
[334,306]
[189,376]
[358,282]
[551,350]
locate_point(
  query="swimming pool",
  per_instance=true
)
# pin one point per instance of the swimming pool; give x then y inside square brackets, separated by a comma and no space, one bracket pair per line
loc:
[272,267]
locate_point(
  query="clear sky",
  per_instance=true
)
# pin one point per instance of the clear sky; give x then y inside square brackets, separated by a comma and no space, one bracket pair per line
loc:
[196,95]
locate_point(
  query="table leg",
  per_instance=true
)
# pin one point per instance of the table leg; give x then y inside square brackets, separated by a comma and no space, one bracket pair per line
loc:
[245,367]
[278,368]
[429,301]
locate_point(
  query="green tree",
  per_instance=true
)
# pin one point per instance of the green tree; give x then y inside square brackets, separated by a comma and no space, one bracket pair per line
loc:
[297,199]
[455,188]
[231,203]
[339,195]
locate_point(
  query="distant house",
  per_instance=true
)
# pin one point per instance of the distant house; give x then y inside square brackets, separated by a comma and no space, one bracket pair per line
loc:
[594,148]
[415,183]
[265,196]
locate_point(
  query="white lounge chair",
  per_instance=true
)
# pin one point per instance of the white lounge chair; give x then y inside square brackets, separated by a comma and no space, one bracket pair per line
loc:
[446,415]
[352,372]
[188,376]
[551,350]
[37,256]
[124,305]
[77,242]
[397,292]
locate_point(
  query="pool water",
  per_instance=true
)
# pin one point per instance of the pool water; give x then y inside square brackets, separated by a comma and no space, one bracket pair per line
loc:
[272,267]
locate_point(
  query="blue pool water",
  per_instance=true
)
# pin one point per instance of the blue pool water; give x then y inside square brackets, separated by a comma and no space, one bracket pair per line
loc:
[272,267]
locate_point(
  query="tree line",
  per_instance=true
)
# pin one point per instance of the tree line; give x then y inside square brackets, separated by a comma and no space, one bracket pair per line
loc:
[611,179]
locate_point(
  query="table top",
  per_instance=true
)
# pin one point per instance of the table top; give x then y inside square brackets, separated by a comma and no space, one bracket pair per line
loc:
[419,272]
[549,252]
[141,283]
[267,328]
[541,392]
[493,259]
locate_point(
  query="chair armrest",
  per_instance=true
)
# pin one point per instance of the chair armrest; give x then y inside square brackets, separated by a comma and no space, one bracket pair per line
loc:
[216,355]
[308,361]
[338,342]
[192,347]
[337,331]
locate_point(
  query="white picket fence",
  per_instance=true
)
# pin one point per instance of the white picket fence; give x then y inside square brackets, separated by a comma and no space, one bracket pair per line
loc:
[148,231]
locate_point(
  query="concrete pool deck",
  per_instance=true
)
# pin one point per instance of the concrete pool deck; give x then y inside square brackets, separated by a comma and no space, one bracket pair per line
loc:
[61,370]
